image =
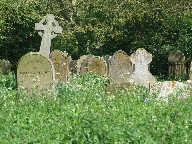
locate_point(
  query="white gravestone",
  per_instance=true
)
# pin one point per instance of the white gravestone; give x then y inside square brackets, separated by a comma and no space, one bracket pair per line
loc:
[141,76]
[48,29]
[35,70]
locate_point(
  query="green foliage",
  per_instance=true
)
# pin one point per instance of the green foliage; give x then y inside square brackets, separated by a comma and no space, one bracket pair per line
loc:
[82,113]
[99,27]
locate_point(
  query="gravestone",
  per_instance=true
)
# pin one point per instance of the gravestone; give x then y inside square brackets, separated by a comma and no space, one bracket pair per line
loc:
[5,66]
[190,72]
[176,63]
[107,59]
[82,63]
[73,66]
[141,76]
[97,65]
[120,67]
[48,29]
[35,70]
[61,64]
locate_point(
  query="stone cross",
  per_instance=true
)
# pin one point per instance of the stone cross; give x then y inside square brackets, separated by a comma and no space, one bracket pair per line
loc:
[48,29]
[141,76]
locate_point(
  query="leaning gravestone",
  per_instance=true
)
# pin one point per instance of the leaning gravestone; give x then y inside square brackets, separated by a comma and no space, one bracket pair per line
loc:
[141,76]
[176,63]
[120,67]
[35,70]
[5,66]
[48,29]
[97,65]
[61,64]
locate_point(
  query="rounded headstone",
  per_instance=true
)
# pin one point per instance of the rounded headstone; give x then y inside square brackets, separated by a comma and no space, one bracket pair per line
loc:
[97,65]
[5,66]
[35,70]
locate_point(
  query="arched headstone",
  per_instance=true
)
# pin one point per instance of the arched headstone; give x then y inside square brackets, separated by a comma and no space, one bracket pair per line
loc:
[97,65]
[35,70]
[120,67]
[61,64]
[141,76]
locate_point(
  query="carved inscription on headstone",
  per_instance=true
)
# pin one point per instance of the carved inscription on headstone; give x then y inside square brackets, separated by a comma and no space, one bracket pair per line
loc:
[61,64]
[35,70]
[141,76]
[48,29]
[120,68]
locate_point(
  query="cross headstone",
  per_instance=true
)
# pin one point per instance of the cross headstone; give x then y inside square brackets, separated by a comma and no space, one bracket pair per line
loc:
[48,29]
[5,66]
[61,64]
[35,70]
[97,65]
[120,68]
[141,76]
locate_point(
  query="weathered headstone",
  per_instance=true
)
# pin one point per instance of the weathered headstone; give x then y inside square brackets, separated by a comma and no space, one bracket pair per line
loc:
[107,59]
[141,76]
[190,72]
[176,62]
[97,65]
[82,63]
[120,68]
[5,66]
[73,66]
[35,70]
[61,64]
[48,29]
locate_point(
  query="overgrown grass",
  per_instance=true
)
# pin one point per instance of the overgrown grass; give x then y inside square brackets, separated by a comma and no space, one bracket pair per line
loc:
[83,113]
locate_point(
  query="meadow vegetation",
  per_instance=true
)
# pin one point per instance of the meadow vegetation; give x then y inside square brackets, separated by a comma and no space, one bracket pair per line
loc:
[82,112]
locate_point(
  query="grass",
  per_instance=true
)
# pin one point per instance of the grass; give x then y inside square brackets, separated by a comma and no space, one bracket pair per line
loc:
[82,112]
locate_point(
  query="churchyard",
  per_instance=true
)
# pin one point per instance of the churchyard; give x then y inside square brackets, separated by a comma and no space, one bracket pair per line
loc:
[95,99]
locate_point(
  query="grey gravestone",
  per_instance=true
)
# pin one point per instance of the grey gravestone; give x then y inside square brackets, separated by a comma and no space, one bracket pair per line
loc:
[61,64]
[73,66]
[141,76]
[5,66]
[35,70]
[82,63]
[97,65]
[48,29]
[176,63]
[120,68]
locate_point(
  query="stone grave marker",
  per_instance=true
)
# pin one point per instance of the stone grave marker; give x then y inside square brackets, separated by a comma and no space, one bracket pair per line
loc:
[97,65]
[120,67]
[61,64]
[141,76]
[107,59]
[176,63]
[190,72]
[82,63]
[5,66]
[48,29]
[73,66]
[35,70]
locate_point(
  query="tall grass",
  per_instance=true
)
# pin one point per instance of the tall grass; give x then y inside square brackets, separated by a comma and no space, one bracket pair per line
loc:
[82,112]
